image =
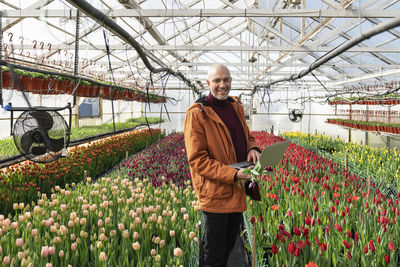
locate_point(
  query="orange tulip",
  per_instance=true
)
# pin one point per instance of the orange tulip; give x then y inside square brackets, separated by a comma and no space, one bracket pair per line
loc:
[312,264]
[275,207]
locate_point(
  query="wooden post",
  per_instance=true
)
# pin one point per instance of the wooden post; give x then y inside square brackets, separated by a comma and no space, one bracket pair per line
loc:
[345,161]
[253,264]
[126,154]
[84,176]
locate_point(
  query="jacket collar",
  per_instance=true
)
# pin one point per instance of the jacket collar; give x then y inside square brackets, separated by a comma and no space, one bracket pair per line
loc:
[202,100]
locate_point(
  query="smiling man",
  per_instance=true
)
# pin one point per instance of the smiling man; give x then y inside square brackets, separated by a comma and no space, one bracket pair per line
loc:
[216,135]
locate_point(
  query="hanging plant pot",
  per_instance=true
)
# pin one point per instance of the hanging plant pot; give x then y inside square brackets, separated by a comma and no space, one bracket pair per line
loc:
[116,94]
[105,92]
[95,91]
[36,85]
[60,87]
[84,92]
[45,86]
[6,79]
[125,95]
[25,82]
[69,87]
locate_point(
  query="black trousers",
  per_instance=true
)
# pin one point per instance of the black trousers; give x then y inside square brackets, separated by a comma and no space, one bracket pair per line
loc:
[220,232]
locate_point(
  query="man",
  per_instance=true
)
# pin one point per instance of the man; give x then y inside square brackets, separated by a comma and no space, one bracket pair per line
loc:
[216,135]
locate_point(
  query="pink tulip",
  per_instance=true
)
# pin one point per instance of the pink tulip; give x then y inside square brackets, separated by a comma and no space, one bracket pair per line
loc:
[45,251]
[19,242]
[6,260]
[177,252]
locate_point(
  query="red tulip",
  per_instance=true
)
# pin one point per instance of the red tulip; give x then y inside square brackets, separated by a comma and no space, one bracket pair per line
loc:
[371,246]
[296,231]
[323,247]
[391,246]
[349,234]
[274,249]
[346,244]
[387,258]
[356,237]
[307,221]
[349,255]
[338,227]
[366,249]
[306,231]
[296,251]
[291,247]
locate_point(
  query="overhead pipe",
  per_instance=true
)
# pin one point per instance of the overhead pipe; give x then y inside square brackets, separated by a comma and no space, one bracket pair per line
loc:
[384,26]
[113,27]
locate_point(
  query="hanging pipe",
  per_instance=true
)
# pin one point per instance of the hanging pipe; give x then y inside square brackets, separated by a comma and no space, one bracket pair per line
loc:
[113,27]
[384,26]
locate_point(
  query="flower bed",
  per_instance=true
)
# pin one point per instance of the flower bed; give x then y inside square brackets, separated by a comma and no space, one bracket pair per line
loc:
[166,159]
[313,211]
[113,221]
[20,182]
[8,148]
[382,164]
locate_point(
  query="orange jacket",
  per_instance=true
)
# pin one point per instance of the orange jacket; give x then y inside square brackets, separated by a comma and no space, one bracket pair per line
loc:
[210,150]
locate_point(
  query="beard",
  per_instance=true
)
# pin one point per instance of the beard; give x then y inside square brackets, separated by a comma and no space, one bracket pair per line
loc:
[215,94]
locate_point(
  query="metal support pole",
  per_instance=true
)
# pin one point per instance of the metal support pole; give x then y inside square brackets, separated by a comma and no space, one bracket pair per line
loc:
[76,63]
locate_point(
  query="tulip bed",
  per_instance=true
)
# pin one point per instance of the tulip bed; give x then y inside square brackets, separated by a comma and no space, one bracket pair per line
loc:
[20,182]
[382,164]
[145,213]
[8,148]
[314,211]
[166,159]
[114,221]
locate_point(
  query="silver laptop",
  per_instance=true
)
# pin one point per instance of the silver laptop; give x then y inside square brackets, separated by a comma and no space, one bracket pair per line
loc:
[270,156]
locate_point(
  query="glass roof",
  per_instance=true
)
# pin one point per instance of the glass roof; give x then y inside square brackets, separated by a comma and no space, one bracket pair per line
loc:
[261,41]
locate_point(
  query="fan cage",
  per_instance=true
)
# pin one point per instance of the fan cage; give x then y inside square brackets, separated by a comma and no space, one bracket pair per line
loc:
[28,123]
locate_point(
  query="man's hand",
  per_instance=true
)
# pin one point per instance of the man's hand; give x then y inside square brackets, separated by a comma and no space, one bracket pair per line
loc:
[253,156]
[242,177]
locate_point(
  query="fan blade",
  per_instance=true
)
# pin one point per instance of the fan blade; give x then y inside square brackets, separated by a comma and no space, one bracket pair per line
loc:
[54,145]
[27,141]
[38,150]
[44,119]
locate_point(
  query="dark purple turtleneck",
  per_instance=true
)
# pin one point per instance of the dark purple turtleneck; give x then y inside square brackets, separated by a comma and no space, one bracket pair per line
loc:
[228,116]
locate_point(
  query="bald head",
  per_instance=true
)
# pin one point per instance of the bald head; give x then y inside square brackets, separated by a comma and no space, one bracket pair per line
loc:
[217,68]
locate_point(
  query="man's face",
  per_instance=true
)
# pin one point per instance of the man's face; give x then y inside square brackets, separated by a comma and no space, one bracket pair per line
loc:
[219,83]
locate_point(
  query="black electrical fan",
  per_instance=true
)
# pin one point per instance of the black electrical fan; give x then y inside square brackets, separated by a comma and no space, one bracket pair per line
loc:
[295,115]
[41,135]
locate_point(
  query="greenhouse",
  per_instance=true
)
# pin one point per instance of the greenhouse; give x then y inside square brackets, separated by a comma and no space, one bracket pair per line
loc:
[122,124]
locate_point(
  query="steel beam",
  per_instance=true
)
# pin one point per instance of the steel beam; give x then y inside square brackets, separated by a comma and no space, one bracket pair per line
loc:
[250,12]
